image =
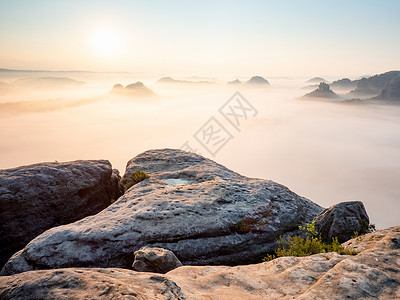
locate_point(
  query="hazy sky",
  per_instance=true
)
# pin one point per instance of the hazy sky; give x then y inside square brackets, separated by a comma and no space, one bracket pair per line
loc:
[215,38]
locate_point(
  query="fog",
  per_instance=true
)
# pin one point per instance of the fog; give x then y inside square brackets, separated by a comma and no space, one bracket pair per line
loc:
[324,150]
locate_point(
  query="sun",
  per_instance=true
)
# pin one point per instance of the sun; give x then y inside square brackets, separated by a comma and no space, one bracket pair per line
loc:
[106,42]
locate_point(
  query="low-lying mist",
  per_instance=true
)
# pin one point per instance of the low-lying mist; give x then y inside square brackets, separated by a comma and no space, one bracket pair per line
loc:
[326,151]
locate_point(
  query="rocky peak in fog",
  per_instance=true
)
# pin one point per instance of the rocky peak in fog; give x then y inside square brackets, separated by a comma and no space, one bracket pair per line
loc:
[323,91]
[257,80]
[137,88]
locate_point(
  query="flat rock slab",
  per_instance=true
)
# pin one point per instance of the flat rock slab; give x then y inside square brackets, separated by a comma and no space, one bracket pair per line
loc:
[372,274]
[219,217]
[37,197]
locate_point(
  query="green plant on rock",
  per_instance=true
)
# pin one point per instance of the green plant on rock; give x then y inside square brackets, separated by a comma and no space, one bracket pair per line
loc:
[310,228]
[135,178]
[312,244]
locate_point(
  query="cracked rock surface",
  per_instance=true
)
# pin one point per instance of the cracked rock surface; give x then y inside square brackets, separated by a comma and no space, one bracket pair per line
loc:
[37,197]
[203,212]
[372,274]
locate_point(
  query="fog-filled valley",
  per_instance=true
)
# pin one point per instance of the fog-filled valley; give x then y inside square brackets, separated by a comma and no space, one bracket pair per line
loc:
[327,150]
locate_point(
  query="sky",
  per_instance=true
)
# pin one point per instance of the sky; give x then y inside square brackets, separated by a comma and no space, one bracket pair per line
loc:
[208,38]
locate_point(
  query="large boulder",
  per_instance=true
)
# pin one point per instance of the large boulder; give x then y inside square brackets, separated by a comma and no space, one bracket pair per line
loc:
[38,197]
[157,260]
[200,210]
[342,221]
[372,274]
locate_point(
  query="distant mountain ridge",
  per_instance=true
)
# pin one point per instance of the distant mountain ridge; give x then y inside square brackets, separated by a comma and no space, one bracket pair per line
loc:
[316,80]
[4,70]
[344,83]
[391,91]
[170,80]
[255,81]
[380,87]
[374,85]
[47,82]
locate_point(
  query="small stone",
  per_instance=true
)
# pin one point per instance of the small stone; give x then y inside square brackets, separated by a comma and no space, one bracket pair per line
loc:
[156,260]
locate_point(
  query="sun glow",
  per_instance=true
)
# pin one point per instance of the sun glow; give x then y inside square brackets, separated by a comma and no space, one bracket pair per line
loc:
[106,42]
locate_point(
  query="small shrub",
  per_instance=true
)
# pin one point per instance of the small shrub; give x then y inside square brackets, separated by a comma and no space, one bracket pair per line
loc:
[135,177]
[138,176]
[356,236]
[269,257]
[310,228]
[312,244]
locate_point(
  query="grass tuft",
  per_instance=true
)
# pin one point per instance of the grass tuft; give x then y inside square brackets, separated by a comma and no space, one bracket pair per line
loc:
[135,178]
[312,244]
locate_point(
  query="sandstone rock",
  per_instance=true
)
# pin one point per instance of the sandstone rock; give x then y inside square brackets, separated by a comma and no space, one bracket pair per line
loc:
[372,274]
[157,260]
[80,283]
[200,210]
[342,220]
[38,197]
[323,91]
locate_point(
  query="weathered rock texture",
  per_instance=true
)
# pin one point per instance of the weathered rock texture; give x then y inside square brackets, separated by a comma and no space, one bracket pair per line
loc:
[372,274]
[37,197]
[80,283]
[342,220]
[200,210]
[157,260]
